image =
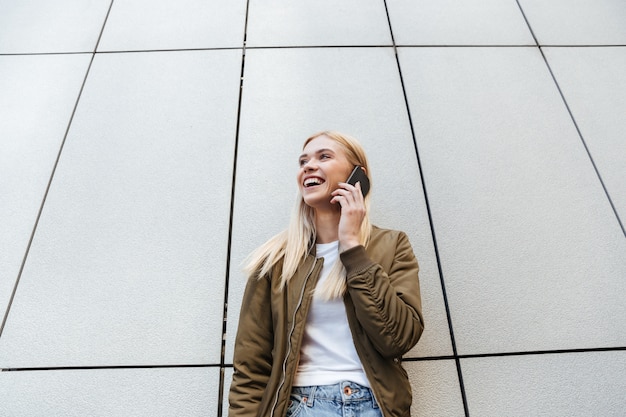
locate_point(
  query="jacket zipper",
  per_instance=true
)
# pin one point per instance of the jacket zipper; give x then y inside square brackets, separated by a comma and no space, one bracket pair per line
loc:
[293,327]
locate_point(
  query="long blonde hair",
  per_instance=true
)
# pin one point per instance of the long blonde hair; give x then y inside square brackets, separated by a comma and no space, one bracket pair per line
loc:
[293,244]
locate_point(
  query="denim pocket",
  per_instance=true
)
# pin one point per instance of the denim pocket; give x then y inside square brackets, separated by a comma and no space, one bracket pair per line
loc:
[295,405]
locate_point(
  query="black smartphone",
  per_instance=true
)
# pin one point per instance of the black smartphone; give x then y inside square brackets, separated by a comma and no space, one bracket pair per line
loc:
[358,175]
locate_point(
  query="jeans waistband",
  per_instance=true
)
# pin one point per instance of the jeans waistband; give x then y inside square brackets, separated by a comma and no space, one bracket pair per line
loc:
[345,391]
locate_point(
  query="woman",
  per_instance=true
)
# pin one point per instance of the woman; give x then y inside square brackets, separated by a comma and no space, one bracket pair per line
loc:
[331,305]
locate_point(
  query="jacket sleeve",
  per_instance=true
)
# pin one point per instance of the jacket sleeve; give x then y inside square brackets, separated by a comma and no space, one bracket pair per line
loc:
[252,360]
[387,303]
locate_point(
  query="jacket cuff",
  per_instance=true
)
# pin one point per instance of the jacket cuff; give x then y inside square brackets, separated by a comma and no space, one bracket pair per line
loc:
[355,260]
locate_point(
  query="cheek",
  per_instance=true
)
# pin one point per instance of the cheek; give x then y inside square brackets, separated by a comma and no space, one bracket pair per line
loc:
[343,174]
[299,179]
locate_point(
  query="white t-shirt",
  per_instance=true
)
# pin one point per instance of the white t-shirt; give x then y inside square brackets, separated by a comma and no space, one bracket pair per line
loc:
[328,355]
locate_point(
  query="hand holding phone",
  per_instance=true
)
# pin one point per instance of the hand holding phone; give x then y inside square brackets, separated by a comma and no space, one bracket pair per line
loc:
[353,209]
[358,175]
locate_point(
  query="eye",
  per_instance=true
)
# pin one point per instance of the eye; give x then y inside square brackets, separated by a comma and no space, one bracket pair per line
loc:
[301,162]
[324,156]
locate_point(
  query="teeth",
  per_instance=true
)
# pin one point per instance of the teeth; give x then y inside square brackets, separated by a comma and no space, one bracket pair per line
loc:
[312,181]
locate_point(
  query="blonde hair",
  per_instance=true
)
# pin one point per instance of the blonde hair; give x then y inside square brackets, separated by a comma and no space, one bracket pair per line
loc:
[293,244]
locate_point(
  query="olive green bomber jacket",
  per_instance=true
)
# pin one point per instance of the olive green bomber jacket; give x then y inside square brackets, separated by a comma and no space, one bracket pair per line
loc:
[384,312]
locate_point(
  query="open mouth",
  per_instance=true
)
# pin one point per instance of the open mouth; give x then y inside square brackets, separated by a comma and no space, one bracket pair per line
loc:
[312,182]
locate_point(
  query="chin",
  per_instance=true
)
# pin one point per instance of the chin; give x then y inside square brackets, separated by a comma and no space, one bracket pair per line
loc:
[311,202]
[314,201]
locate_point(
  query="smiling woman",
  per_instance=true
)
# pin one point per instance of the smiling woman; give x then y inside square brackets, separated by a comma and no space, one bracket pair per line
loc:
[324,165]
[332,303]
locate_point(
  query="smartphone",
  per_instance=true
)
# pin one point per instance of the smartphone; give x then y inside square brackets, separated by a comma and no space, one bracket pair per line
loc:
[358,175]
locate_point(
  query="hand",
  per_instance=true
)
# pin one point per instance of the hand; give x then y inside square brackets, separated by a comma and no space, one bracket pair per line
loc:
[352,214]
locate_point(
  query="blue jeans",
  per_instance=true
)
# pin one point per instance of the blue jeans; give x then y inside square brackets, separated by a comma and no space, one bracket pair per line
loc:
[345,399]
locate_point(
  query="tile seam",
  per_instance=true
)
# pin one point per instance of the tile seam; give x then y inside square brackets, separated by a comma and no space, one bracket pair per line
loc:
[51,178]
[424,46]
[418,359]
[222,383]
[584,143]
[431,223]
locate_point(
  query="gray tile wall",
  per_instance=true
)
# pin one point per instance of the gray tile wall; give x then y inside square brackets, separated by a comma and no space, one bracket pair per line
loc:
[146,147]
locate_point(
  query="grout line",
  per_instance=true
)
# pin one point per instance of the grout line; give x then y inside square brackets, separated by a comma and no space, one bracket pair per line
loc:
[431,223]
[130,51]
[141,51]
[526,353]
[582,139]
[419,359]
[355,46]
[387,46]
[44,53]
[105,367]
[54,168]
[227,48]
[452,45]
[532,32]
[584,46]
[569,111]
[221,383]
[571,115]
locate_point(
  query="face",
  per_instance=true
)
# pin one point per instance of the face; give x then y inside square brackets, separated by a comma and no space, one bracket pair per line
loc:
[323,165]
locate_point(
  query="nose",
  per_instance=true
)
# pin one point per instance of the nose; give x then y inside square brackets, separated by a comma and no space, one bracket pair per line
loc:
[309,165]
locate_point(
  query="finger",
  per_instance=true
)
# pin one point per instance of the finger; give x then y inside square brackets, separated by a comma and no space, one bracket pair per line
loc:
[341,192]
[339,199]
[348,188]
[356,188]
[354,193]
[346,185]
[359,190]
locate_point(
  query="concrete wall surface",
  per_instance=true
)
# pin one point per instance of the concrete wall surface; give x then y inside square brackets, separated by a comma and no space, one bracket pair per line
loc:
[147,146]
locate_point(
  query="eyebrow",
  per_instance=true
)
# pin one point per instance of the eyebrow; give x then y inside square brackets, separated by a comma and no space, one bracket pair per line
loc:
[319,151]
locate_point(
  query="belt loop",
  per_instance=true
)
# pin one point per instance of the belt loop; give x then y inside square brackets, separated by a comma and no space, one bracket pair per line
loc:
[309,400]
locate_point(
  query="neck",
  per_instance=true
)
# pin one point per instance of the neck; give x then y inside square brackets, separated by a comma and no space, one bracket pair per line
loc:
[327,226]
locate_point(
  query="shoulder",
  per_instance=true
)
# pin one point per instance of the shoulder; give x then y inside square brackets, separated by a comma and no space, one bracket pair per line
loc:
[391,248]
[385,243]
[380,235]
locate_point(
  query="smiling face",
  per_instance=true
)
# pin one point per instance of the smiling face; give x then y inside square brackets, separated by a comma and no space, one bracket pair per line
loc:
[323,165]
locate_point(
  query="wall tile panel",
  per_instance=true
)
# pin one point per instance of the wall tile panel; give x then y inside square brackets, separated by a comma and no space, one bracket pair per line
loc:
[317,23]
[436,389]
[41,26]
[582,22]
[128,263]
[110,392]
[593,82]
[572,384]
[458,22]
[531,250]
[36,103]
[184,24]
